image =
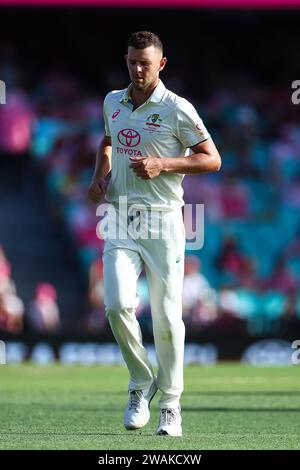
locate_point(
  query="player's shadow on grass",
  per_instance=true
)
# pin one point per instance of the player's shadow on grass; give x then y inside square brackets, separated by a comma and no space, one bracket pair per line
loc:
[237,410]
[95,434]
[246,393]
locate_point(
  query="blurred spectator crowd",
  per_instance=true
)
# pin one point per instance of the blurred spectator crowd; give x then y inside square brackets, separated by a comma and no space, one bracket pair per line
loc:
[245,279]
[42,314]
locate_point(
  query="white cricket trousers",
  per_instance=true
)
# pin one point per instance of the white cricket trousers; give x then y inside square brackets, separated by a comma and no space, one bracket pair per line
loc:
[162,256]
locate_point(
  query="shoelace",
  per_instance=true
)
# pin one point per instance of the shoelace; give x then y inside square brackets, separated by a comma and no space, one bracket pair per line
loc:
[135,399]
[167,416]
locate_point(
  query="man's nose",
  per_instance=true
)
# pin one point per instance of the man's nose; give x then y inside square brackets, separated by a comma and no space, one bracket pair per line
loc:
[138,69]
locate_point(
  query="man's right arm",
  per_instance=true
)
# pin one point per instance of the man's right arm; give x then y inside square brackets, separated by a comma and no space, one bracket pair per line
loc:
[97,187]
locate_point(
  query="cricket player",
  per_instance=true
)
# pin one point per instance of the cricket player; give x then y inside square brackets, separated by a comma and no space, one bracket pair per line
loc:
[149,132]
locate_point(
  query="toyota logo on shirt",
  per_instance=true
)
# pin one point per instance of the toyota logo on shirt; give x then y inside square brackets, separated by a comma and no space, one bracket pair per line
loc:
[129,137]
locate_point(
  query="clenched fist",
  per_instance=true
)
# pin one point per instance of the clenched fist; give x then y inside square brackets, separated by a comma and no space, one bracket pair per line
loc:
[146,168]
[97,190]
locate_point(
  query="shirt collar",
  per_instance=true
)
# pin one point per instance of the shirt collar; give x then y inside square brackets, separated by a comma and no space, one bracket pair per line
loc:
[155,97]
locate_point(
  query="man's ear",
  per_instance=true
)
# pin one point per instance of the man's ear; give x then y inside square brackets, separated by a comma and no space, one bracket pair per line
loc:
[163,62]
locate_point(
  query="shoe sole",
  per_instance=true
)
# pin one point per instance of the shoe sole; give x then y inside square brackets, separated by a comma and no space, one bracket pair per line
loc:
[132,428]
[164,433]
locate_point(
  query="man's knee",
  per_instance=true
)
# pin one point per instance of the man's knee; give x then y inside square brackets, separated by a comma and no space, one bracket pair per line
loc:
[115,309]
[168,322]
[111,314]
[118,302]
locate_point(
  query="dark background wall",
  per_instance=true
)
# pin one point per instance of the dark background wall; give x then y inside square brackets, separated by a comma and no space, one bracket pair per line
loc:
[208,47]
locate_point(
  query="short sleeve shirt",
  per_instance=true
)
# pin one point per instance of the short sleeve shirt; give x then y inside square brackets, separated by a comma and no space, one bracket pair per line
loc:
[166,125]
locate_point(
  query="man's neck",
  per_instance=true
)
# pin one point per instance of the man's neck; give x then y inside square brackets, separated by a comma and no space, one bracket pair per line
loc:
[140,96]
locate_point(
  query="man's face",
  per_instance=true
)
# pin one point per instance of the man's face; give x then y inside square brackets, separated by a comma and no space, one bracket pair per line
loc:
[144,66]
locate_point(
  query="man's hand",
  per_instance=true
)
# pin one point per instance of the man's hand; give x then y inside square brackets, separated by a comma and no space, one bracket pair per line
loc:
[146,168]
[97,190]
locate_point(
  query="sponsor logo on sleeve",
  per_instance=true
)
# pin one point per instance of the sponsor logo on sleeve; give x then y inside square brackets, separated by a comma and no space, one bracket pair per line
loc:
[200,127]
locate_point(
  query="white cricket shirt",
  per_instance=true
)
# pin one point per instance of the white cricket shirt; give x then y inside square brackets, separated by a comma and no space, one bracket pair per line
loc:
[164,126]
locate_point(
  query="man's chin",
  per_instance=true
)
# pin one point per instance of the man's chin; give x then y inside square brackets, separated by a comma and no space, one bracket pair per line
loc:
[138,86]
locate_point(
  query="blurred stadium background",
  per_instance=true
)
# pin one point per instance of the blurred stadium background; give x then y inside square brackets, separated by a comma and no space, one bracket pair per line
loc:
[241,291]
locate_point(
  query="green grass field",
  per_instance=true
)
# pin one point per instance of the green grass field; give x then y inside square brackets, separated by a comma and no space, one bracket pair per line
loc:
[76,407]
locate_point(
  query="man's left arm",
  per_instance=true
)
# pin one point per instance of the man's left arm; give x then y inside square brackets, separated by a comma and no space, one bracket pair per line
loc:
[205,158]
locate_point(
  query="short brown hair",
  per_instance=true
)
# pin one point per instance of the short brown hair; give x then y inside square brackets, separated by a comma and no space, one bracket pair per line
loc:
[143,39]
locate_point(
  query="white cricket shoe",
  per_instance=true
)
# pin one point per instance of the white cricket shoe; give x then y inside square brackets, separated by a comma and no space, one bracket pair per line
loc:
[169,423]
[137,411]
